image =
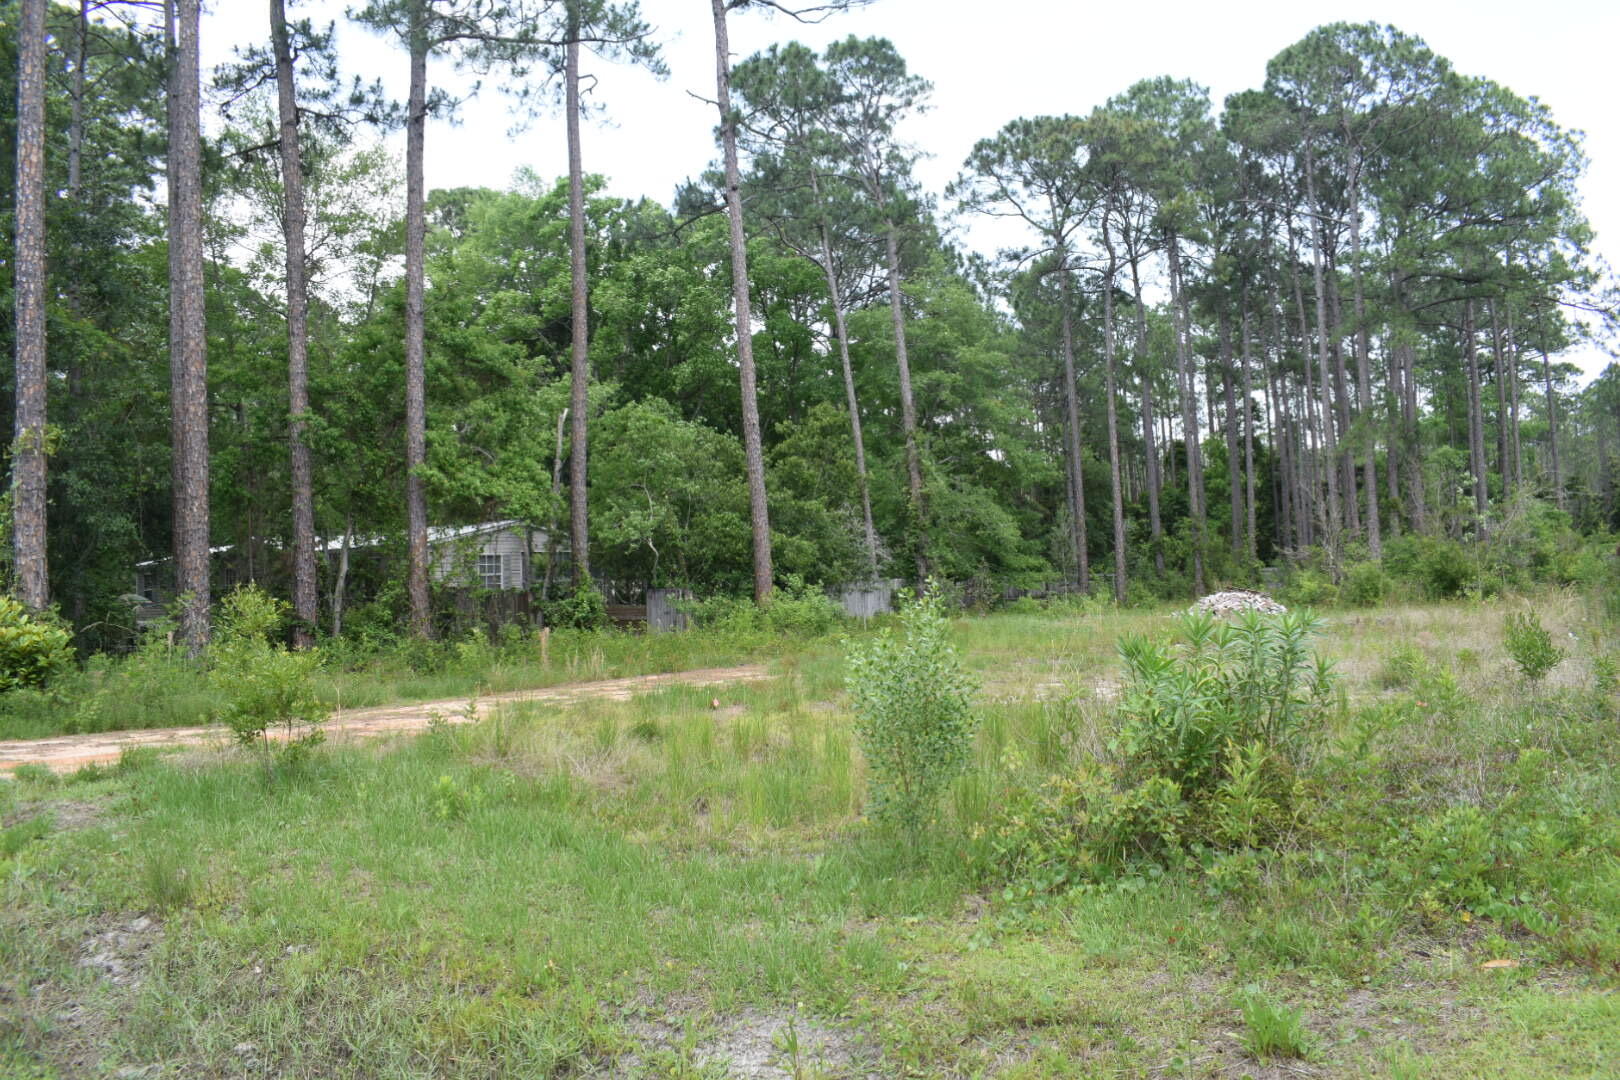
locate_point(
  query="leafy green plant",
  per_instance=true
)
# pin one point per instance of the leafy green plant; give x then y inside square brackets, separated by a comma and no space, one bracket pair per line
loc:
[1531,645]
[167,883]
[1212,730]
[796,608]
[585,608]
[29,773]
[1605,674]
[265,683]
[1312,589]
[913,714]
[1191,707]
[16,837]
[1272,1030]
[33,649]
[1365,585]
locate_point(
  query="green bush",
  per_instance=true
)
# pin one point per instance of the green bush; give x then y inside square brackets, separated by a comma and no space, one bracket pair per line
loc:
[33,650]
[1272,1030]
[1190,708]
[583,609]
[1365,585]
[1403,667]
[1531,645]
[796,608]
[264,682]
[913,714]
[1212,731]
[1310,588]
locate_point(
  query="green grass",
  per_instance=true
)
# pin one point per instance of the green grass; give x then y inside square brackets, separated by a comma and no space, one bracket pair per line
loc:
[648,887]
[160,687]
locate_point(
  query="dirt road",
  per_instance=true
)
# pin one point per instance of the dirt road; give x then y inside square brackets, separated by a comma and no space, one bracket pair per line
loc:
[65,753]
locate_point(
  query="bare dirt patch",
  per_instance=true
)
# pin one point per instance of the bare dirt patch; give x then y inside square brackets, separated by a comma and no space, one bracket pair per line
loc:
[67,753]
[755,1044]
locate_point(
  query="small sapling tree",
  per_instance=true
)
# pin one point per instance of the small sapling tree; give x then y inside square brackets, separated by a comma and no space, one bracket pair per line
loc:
[1531,645]
[265,682]
[913,714]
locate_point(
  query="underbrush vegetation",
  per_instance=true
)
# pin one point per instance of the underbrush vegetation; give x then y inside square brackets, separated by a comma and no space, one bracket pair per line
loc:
[1350,845]
[158,685]
[1212,731]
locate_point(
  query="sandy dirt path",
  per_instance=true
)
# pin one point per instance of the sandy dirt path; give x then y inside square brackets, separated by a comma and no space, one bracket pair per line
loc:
[65,753]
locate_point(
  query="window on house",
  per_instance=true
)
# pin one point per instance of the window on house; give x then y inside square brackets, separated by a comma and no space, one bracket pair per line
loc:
[489,570]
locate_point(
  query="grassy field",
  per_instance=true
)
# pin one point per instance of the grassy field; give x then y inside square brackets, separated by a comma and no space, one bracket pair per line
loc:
[684,885]
[159,687]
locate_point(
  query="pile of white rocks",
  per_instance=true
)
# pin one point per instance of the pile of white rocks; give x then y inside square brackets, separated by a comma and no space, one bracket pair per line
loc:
[1234,601]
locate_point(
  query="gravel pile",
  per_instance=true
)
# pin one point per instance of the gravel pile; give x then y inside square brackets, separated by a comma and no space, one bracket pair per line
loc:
[1236,600]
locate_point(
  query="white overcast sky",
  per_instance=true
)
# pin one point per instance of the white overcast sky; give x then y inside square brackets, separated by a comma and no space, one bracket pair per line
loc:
[990,62]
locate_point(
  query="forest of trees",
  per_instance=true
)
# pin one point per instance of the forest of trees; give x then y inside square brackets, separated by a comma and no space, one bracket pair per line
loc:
[1319,320]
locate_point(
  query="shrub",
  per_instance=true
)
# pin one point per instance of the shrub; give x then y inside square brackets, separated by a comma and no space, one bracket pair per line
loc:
[913,714]
[1605,675]
[33,650]
[1212,730]
[265,683]
[1189,709]
[1312,589]
[1403,667]
[796,607]
[1531,646]
[583,609]
[1365,585]
[800,608]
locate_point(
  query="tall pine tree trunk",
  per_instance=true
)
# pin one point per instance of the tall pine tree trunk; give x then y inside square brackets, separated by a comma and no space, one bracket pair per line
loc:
[836,298]
[1515,446]
[1229,400]
[1111,390]
[1375,540]
[421,615]
[306,598]
[28,448]
[908,405]
[580,356]
[1071,407]
[75,186]
[1329,443]
[1341,402]
[1392,434]
[1552,431]
[753,448]
[1476,415]
[1416,486]
[1189,415]
[1250,532]
[1504,460]
[188,343]
[1144,373]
